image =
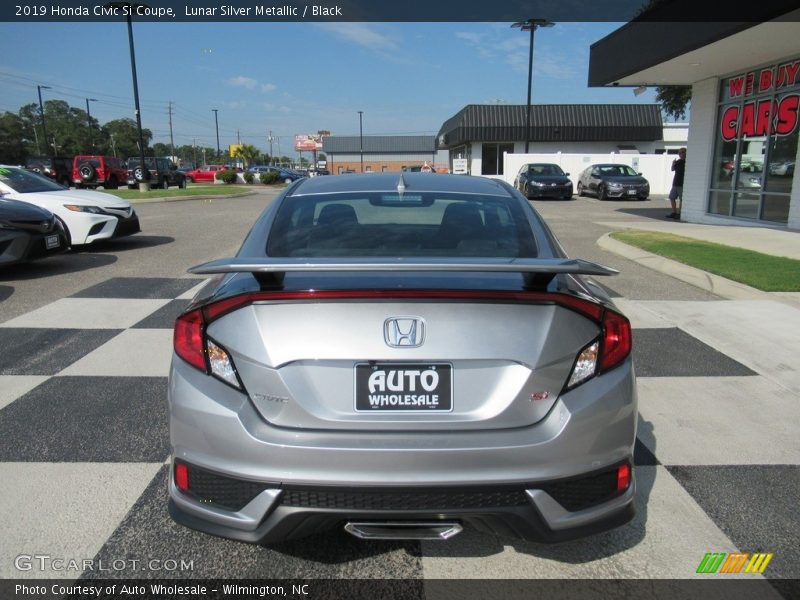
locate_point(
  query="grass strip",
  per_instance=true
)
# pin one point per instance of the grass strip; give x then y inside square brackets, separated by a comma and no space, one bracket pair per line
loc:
[761,271]
[199,190]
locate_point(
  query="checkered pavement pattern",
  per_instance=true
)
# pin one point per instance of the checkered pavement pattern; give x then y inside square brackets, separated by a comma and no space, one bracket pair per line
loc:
[84,447]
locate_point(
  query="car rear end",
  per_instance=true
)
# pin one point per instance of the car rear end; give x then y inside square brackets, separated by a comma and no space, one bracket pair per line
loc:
[401,363]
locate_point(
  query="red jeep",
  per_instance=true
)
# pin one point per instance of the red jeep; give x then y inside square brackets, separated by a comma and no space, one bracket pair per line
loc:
[91,171]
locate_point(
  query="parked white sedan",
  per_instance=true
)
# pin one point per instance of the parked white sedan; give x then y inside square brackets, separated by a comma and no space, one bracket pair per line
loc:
[86,216]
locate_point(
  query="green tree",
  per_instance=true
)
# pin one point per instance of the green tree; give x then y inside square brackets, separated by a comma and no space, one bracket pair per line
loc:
[13,138]
[123,138]
[674,99]
[248,153]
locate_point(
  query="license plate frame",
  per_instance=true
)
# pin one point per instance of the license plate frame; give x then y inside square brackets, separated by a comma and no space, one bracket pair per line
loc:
[52,241]
[416,394]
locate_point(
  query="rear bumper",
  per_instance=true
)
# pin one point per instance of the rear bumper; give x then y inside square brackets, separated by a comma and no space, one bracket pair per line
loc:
[591,428]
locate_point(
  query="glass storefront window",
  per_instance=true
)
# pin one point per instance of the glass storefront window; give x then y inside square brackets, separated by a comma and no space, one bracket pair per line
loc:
[757,142]
[492,158]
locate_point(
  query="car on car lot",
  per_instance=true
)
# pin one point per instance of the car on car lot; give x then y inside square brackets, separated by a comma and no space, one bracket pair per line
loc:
[613,181]
[28,232]
[543,180]
[784,168]
[162,173]
[401,355]
[85,215]
[59,169]
[204,174]
[284,173]
[90,171]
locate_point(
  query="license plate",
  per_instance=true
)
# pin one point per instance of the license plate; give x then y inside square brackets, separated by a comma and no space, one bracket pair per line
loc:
[404,387]
[631,192]
[52,241]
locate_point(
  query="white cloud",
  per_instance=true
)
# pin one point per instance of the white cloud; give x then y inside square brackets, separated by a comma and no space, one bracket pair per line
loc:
[245,82]
[361,34]
[268,87]
[470,36]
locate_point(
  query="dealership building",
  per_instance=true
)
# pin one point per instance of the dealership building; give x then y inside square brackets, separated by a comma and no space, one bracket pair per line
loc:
[745,78]
[381,153]
[483,133]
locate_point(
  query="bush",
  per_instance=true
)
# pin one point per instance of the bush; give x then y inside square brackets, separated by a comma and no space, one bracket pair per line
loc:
[268,177]
[228,176]
[249,177]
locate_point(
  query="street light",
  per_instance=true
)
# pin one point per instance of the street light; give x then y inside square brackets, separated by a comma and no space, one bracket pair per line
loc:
[530,25]
[39,89]
[216,123]
[144,185]
[89,120]
[361,138]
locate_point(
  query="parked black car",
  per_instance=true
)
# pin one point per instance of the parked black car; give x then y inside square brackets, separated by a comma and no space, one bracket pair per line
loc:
[543,180]
[58,169]
[28,232]
[613,181]
[163,173]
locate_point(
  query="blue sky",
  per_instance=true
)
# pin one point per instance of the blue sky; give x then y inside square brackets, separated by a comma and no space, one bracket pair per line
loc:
[297,78]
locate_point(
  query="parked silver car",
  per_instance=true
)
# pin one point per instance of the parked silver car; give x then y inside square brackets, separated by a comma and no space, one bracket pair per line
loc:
[401,355]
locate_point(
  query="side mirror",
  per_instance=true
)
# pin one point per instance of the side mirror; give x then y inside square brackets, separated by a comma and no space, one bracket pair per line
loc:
[639,174]
[566,174]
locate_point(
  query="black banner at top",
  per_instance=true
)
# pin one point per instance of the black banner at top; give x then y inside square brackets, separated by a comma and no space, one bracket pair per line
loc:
[406,11]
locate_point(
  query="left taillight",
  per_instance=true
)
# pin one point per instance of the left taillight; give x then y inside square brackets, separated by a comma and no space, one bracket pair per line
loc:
[193,345]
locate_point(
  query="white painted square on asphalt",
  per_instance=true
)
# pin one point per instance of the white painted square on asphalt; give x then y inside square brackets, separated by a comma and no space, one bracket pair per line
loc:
[719,420]
[190,294]
[14,386]
[88,313]
[64,510]
[639,316]
[132,353]
[667,539]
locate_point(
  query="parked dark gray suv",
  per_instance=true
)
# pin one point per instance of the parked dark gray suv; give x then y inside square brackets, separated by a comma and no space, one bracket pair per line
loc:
[163,173]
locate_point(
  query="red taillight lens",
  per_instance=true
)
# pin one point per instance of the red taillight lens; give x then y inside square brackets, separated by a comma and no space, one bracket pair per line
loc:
[623,477]
[188,339]
[616,340]
[182,477]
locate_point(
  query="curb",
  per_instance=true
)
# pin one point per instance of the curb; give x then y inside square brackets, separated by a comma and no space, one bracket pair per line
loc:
[726,288]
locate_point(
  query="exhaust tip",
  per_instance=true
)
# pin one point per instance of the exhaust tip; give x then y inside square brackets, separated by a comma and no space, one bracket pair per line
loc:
[404,530]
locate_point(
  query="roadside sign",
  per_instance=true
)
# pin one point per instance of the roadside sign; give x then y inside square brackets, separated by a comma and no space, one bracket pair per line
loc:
[460,166]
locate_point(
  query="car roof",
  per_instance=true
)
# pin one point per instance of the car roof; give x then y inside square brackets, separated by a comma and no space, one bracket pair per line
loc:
[414,182]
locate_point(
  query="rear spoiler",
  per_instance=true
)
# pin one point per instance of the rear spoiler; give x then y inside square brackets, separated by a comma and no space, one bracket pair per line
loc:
[537,271]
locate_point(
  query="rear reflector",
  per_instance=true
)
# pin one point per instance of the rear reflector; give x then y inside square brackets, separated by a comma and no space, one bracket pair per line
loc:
[182,477]
[188,339]
[623,477]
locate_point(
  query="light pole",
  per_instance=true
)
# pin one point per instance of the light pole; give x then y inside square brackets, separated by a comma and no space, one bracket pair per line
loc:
[361,138]
[530,25]
[89,121]
[39,89]
[144,184]
[216,123]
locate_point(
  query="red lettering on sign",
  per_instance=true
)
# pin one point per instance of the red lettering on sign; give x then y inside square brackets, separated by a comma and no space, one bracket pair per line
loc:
[765,80]
[787,74]
[748,127]
[762,117]
[735,86]
[748,83]
[730,119]
[787,115]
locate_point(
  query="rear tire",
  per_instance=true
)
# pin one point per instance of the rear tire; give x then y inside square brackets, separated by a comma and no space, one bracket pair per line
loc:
[580,190]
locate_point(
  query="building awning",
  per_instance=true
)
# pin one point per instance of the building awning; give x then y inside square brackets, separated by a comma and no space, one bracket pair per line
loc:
[660,47]
[383,144]
[553,123]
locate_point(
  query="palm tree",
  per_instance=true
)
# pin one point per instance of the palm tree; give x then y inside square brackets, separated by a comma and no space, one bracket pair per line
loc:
[248,153]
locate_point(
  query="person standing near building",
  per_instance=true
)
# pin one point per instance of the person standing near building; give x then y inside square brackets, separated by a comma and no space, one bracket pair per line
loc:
[678,167]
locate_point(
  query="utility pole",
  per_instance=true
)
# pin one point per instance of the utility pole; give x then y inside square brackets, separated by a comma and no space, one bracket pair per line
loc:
[113,146]
[39,88]
[216,123]
[194,152]
[171,141]
[270,147]
[361,138]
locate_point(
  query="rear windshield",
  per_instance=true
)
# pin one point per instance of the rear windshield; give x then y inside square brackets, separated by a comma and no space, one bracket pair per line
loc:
[387,224]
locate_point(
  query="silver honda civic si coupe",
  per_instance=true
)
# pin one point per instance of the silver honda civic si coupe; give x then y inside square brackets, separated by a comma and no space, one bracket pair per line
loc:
[401,356]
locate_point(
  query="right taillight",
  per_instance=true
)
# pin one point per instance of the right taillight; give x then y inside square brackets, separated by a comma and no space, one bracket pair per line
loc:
[616,344]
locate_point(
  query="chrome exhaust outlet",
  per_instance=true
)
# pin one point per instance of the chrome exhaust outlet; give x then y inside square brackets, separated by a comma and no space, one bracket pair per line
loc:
[404,530]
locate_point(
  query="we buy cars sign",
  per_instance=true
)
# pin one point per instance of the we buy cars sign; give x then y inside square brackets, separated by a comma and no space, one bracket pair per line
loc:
[307,143]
